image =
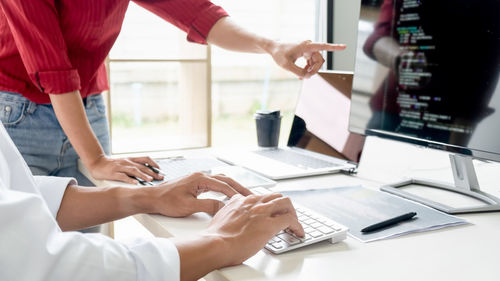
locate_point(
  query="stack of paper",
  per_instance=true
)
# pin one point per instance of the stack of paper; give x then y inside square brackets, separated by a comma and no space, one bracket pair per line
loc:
[357,207]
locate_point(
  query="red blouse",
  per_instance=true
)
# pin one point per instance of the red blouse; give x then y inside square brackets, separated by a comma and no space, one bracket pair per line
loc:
[49,46]
[383,28]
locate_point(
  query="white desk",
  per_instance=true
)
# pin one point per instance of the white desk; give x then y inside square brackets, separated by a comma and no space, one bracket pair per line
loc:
[470,252]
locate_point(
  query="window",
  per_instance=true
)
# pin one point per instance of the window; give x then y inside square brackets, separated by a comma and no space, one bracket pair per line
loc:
[159,96]
[167,93]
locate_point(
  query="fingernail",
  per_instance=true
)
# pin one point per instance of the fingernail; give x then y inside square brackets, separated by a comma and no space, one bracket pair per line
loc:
[310,69]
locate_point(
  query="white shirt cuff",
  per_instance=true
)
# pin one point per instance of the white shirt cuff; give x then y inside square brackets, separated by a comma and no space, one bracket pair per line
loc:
[52,190]
[155,259]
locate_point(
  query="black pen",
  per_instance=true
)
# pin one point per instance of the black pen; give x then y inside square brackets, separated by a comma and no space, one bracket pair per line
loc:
[154,169]
[141,181]
[389,222]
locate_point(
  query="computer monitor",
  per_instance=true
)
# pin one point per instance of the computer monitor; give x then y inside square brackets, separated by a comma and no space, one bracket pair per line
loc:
[427,73]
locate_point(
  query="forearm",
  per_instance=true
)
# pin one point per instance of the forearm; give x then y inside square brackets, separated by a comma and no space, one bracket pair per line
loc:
[71,114]
[83,207]
[201,255]
[228,35]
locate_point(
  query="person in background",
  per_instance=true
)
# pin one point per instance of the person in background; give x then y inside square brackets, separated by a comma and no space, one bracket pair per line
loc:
[35,209]
[52,72]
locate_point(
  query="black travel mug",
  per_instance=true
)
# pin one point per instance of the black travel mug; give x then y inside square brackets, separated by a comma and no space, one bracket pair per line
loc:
[268,127]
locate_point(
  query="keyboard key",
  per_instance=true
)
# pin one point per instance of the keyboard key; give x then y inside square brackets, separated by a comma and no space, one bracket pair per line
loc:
[274,239]
[307,213]
[335,226]
[290,239]
[323,221]
[308,229]
[278,245]
[329,223]
[325,229]
[316,224]
[309,221]
[316,234]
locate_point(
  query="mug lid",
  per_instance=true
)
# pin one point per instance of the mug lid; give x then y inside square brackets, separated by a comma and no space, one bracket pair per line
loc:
[268,113]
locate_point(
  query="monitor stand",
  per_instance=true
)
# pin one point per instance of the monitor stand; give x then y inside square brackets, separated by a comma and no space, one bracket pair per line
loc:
[466,183]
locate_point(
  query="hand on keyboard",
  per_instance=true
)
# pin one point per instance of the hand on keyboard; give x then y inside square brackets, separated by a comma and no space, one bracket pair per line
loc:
[246,224]
[317,228]
[178,198]
[237,231]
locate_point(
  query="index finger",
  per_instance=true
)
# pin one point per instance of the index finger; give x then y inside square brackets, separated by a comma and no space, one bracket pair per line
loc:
[316,47]
[234,184]
[282,209]
[213,184]
[144,160]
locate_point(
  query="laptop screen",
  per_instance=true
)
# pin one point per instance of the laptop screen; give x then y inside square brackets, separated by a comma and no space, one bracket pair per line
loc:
[321,118]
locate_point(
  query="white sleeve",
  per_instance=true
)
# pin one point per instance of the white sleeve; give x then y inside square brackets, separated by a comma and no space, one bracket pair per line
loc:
[52,190]
[33,248]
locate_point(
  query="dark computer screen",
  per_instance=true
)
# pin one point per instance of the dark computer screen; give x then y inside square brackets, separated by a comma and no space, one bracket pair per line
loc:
[428,72]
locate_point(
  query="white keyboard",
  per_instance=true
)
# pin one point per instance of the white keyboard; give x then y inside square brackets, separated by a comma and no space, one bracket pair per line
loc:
[317,228]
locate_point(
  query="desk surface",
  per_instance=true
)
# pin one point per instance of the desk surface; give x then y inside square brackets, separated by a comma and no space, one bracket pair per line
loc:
[469,252]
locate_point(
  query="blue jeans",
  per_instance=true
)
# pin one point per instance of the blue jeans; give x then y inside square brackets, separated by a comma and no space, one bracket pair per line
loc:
[40,139]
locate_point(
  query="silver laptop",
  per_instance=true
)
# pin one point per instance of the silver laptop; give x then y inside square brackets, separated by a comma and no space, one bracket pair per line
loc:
[319,141]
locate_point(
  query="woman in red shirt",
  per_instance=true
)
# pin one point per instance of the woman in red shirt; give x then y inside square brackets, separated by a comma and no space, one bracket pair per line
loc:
[52,73]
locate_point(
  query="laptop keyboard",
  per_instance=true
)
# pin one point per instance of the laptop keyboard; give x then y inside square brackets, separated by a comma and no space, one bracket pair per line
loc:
[317,228]
[295,159]
[179,167]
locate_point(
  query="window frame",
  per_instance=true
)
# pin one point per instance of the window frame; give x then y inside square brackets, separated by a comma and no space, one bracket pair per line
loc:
[204,97]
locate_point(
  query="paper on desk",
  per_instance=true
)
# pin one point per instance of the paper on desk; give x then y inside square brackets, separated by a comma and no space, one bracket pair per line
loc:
[357,207]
